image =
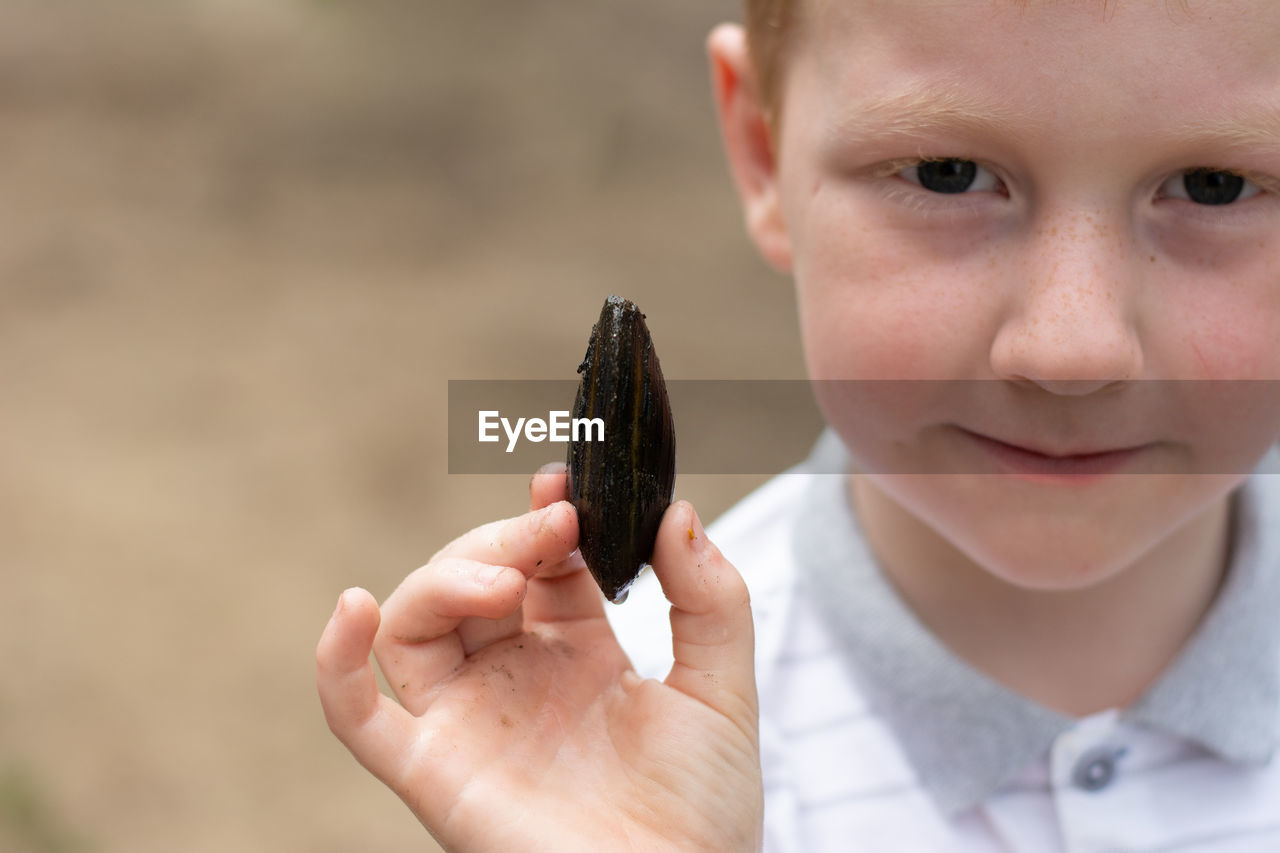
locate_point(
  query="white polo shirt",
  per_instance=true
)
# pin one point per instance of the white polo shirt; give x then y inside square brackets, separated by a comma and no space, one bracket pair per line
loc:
[875,737]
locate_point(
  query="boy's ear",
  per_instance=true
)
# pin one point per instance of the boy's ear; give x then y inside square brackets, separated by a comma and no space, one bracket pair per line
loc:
[747,142]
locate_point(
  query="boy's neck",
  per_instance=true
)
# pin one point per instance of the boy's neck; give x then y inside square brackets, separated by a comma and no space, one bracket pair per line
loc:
[1077,651]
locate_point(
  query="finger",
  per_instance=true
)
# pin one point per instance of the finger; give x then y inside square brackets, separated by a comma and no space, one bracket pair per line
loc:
[455,606]
[572,563]
[525,542]
[549,484]
[378,732]
[712,635]
[566,593]
[434,600]
[438,615]
[562,591]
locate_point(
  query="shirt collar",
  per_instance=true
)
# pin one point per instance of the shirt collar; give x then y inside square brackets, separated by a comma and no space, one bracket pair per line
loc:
[964,733]
[1223,689]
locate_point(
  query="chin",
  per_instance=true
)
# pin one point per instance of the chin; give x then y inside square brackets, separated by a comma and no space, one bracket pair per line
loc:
[1052,561]
[1055,578]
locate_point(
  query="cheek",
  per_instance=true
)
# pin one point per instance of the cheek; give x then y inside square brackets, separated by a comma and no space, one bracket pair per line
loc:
[1216,334]
[872,307]
[875,309]
[1232,337]
[1233,411]
[1220,321]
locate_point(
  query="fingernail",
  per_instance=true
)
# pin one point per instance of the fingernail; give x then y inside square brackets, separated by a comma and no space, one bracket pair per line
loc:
[342,600]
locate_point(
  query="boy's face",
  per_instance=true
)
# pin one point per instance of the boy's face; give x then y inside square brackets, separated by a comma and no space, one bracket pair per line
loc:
[1065,250]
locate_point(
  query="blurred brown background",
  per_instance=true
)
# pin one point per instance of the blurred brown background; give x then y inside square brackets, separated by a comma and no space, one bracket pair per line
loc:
[244,245]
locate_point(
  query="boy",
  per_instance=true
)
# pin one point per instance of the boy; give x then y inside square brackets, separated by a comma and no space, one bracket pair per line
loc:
[1061,199]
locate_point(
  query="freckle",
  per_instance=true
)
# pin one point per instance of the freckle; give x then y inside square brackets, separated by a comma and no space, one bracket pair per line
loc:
[1153,259]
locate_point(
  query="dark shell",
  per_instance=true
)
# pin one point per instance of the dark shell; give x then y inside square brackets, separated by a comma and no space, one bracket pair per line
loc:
[621,486]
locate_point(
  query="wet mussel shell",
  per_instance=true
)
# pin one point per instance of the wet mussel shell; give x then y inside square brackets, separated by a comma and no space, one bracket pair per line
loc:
[622,485]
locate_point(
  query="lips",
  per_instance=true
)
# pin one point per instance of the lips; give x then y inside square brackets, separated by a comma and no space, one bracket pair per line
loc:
[1076,467]
[1078,454]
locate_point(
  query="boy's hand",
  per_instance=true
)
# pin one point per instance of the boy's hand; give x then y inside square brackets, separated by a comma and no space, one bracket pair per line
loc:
[520,723]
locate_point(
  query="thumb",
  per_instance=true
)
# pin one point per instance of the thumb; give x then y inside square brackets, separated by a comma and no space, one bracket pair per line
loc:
[712,637]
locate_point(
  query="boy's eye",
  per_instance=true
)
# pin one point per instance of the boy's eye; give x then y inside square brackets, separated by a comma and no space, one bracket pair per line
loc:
[950,176]
[1209,186]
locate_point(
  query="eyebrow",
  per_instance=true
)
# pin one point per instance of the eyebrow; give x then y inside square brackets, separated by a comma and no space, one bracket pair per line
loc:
[1240,130]
[922,109]
[928,108]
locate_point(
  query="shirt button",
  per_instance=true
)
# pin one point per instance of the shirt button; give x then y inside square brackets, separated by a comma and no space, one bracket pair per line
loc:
[1096,768]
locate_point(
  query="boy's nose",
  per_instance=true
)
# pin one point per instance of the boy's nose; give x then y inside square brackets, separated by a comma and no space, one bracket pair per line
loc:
[1070,321]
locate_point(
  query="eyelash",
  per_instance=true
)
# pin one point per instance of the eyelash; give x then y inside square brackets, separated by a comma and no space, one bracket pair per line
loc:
[923,202]
[929,204]
[1221,216]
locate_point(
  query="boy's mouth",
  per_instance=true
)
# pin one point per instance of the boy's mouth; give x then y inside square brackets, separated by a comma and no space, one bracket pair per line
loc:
[1018,459]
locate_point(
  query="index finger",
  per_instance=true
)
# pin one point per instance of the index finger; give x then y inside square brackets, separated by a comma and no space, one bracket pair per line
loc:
[525,542]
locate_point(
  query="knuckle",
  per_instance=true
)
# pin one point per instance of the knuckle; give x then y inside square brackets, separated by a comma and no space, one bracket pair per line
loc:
[444,575]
